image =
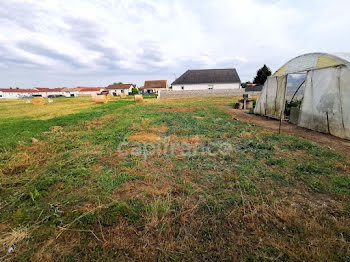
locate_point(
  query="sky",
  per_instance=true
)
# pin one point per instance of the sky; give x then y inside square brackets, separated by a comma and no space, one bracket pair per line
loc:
[54,43]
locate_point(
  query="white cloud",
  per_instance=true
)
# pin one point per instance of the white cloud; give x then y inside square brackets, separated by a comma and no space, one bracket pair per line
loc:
[56,43]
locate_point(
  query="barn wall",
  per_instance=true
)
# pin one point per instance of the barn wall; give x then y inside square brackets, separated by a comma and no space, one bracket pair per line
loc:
[206,86]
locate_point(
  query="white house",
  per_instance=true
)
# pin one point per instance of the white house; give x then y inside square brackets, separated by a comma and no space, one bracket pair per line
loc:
[18,93]
[117,89]
[207,79]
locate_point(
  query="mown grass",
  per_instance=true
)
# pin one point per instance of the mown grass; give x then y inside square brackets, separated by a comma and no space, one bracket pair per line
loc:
[21,128]
[13,108]
[82,185]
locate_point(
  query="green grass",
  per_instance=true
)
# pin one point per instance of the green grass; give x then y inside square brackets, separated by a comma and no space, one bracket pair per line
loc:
[268,197]
[18,129]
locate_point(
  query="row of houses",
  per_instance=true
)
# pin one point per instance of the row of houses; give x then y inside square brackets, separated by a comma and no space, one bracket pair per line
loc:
[190,80]
[150,86]
[204,79]
[49,92]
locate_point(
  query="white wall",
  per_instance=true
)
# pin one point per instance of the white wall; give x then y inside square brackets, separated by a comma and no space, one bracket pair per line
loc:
[68,93]
[119,91]
[16,94]
[46,94]
[206,86]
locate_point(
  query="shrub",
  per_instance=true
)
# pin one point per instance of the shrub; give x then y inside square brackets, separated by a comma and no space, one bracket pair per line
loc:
[134,91]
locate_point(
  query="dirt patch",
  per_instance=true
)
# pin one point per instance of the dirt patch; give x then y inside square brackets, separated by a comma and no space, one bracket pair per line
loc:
[340,145]
[145,137]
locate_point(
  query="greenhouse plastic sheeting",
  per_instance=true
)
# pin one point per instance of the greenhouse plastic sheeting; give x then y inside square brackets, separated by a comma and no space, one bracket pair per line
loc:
[326,104]
[271,101]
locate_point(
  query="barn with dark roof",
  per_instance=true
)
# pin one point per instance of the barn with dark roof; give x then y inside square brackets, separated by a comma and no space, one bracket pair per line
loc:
[208,79]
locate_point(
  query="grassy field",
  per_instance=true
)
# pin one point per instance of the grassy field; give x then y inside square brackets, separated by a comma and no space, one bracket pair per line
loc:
[164,180]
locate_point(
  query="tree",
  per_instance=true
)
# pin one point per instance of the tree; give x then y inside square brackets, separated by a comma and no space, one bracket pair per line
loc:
[262,75]
[119,83]
[134,91]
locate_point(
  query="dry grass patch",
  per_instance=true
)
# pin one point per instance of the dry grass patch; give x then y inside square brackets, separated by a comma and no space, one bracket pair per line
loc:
[305,234]
[142,189]
[342,166]
[15,236]
[159,129]
[145,122]
[99,123]
[38,101]
[190,140]
[55,129]
[155,181]
[245,134]
[145,137]
[59,107]
[26,156]
[62,246]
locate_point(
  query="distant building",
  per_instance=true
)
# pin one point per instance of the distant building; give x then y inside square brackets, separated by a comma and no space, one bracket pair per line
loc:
[47,92]
[18,93]
[51,92]
[153,86]
[117,89]
[70,92]
[208,79]
[91,91]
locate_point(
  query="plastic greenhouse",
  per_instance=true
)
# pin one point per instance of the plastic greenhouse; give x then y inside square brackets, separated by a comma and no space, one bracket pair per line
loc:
[325,105]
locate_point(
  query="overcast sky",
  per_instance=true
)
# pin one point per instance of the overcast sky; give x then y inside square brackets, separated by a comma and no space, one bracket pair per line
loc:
[54,43]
